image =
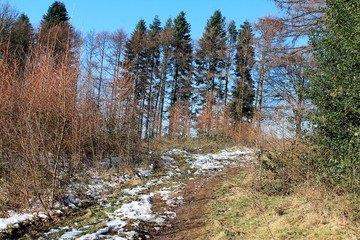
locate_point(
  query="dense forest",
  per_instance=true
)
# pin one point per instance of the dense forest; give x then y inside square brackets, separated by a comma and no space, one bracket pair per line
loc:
[287,86]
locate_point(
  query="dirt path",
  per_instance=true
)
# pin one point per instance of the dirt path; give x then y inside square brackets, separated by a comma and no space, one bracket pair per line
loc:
[170,205]
[189,222]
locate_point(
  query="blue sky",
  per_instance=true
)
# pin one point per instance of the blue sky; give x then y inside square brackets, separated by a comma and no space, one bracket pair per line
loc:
[110,15]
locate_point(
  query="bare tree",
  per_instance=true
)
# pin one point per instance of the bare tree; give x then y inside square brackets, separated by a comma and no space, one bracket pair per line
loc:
[301,17]
[288,83]
[270,31]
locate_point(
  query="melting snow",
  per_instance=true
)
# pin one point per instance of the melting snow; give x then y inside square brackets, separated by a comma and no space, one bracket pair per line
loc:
[14,218]
[110,226]
[213,162]
[134,191]
[141,208]
[71,234]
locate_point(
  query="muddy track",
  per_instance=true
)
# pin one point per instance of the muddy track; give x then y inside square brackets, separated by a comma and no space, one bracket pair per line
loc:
[169,206]
[189,222]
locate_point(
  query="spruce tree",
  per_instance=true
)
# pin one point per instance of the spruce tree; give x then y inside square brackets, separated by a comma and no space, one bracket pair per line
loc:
[335,88]
[137,62]
[211,65]
[166,42]
[56,33]
[243,95]
[136,57]
[211,56]
[56,14]
[21,37]
[181,64]
[154,75]
[154,46]
[181,60]
[232,34]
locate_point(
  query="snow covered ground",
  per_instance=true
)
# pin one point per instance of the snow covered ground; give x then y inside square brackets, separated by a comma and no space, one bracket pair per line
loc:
[124,212]
[14,218]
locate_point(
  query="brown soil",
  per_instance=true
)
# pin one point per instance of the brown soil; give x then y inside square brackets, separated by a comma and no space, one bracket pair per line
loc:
[189,222]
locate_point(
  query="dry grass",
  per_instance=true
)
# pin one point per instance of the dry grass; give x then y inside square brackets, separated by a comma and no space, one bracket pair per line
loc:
[205,144]
[241,212]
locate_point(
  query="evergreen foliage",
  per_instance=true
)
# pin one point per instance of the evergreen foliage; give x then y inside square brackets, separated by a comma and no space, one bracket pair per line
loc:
[335,88]
[154,48]
[57,33]
[21,35]
[56,14]
[181,60]
[136,57]
[232,35]
[21,38]
[244,94]
[211,56]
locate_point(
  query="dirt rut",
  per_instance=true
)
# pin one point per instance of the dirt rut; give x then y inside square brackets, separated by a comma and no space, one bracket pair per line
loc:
[189,222]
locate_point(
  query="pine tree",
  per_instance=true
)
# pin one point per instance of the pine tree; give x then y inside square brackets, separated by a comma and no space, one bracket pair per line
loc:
[181,63]
[211,62]
[136,60]
[154,75]
[335,88]
[211,54]
[56,33]
[231,51]
[243,95]
[56,14]
[182,59]
[21,37]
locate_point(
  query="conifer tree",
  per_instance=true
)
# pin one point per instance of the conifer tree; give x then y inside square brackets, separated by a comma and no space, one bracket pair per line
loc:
[20,41]
[243,95]
[136,60]
[154,75]
[211,55]
[211,63]
[56,32]
[181,59]
[21,35]
[232,34]
[56,14]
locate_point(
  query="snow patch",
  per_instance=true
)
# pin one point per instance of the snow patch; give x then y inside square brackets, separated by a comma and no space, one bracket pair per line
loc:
[101,232]
[140,209]
[134,191]
[14,218]
[215,162]
[176,151]
[70,235]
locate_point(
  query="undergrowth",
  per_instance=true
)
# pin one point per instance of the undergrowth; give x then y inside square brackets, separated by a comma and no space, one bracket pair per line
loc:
[240,210]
